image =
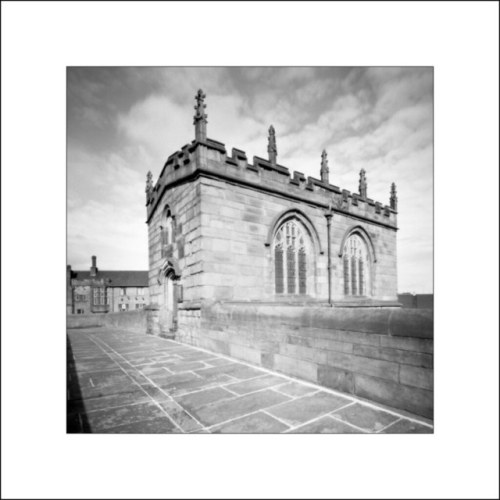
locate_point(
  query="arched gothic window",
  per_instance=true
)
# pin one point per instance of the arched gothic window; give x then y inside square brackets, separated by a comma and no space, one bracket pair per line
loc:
[356,259]
[290,249]
[167,228]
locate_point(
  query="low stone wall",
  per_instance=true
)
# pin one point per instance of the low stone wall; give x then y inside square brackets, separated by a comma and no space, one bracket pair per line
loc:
[385,355]
[418,301]
[127,320]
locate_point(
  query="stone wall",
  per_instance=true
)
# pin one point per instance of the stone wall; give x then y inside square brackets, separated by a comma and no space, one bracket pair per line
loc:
[184,252]
[129,320]
[381,354]
[416,301]
[237,264]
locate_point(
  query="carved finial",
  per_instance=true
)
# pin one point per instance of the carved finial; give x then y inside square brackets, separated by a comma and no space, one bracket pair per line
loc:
[200,117]
[149,184]
[394,198]
[324,167]
[271,146]
[362,183]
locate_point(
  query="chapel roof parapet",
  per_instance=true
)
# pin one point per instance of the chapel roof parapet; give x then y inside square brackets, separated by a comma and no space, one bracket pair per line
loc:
[210,157]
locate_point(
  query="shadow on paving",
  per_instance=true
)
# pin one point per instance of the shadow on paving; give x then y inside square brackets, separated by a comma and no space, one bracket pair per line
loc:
[76,417]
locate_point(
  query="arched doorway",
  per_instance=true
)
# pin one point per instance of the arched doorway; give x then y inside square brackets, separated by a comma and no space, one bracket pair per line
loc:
[169,285]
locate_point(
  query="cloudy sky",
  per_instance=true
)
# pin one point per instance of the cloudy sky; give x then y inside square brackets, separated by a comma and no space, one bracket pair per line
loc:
[123,122]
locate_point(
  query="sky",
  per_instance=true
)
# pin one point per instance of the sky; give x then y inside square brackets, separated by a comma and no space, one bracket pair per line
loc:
[122,122]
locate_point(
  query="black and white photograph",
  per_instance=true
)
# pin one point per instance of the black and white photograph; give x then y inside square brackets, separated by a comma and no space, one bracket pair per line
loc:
[250,249]
[247,260]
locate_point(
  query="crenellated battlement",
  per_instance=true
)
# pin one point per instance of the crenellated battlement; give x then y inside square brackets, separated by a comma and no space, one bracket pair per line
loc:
[209,158]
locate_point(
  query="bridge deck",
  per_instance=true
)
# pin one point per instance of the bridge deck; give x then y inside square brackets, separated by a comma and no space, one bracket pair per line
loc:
[123,382]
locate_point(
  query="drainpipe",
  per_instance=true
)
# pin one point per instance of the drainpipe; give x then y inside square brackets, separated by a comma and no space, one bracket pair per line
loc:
[329,216]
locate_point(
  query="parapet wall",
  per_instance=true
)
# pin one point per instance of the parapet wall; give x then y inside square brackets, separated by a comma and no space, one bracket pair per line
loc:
[384,355]
[211,159]
[126,320]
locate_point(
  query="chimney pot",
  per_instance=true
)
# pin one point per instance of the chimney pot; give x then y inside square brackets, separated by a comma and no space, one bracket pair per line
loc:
[93,269]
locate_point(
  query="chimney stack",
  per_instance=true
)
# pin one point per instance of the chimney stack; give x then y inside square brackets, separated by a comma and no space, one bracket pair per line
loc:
[93,269]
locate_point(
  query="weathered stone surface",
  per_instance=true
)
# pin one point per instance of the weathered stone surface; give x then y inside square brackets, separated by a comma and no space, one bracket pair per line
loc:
[357,364]
[412,323]
[184,367]
[226,410]
[160,425]
[180,416]
[367,418]
[171,382]
[256,384]
[180,402]
[334,378]
[407,344]
[218,361]
[396,355]
[261,423]
[405,426]
[307,407]
[201,398]
[327,425]
[101,420]
[296,367]
[236,370]
[413,399]
[295,389]
[416,377]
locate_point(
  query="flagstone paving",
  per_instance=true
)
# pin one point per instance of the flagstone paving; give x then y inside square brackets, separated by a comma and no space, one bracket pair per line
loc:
[123,382]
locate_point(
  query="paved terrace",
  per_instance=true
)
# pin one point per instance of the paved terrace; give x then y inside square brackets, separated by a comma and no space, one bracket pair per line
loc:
[123,382]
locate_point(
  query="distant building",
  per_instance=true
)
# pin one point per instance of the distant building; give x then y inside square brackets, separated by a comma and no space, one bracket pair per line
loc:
[97,291]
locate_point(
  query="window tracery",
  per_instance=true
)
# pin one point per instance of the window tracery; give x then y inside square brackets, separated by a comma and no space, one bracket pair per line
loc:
[356,263]
[290,258]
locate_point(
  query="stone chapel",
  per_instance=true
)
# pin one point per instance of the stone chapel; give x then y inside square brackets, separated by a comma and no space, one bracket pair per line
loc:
[225,229]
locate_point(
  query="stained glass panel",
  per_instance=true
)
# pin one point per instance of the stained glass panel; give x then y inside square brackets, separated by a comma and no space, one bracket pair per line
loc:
[290,270]
[278,269]
[302,271]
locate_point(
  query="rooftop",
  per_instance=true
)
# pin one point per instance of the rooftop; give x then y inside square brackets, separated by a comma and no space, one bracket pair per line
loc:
[115,278]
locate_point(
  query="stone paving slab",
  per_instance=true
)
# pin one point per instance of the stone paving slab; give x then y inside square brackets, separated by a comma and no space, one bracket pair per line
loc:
[101,420]
[405,426]
[369,419]
[255,384]
[198,399]
[296,389]
[308,407]
[160,425]
[255,423]
[123,382]
[326,425]
[216,413]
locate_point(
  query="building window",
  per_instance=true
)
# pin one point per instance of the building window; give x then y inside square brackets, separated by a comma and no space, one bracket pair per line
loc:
[123,307]
[108,296]
[140,291]
[356,263]
[167,227]
[290,259]
[79,311]
[123,291]
[139,306]
[80,298]
[99,296]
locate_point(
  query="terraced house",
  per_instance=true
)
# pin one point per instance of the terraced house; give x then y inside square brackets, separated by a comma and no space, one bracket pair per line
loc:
[96,291]
[250,260]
